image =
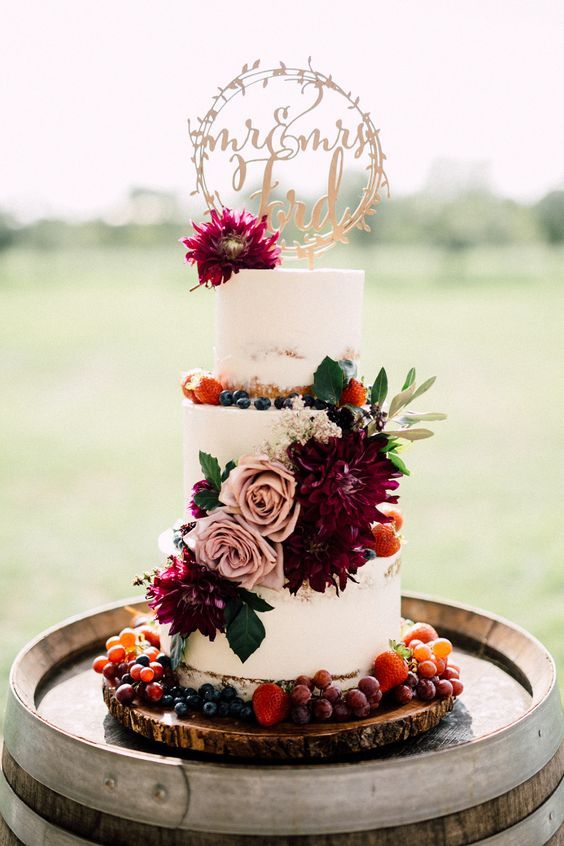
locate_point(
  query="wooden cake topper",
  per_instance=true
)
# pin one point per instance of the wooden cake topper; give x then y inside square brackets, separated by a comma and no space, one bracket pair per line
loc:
[310,115]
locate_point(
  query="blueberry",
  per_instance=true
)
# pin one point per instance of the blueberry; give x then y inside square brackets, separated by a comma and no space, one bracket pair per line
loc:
[319,404]
[205,688]
[309,401]
[237,701]
[188,691]
[143,660]
[246,712]
[369,554]
[293,394]
[194,702]
[175,691]
[243,402]
[240,395]
[226,398]
[178,700]
[181,709]
[126,679]
[167,702]
[235,709]
[164,660]
[212,696]
[279,402]
[288,403]
[262,403]
[210,709]
[228,693]
[223,709]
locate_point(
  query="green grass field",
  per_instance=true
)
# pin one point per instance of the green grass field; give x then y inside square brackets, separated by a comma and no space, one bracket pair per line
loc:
[90,462]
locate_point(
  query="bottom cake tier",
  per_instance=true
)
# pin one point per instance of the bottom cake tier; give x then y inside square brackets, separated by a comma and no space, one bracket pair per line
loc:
[341,632]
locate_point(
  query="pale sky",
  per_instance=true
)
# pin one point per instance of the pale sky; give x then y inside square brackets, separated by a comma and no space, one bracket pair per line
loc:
[98,94]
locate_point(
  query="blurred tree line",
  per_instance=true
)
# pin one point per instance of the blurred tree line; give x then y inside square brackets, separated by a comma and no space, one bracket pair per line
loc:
[472,217]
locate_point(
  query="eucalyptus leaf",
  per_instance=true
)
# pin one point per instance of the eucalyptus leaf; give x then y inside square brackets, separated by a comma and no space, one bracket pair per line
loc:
[329,381]
[231,465]
[400,400]
[409,379]
[424,387]
[245,632]
[349,369]
[177,644]
[256,602]
[207,500]
[379,388]
[411,417]
[398,463]
[412,434]
[210,469]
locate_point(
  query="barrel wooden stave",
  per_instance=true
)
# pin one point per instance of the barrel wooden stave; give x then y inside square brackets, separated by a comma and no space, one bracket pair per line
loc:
[204,796]
[475,825]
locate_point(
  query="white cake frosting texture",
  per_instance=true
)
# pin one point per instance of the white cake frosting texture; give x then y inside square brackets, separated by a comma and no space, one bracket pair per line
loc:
[273,327]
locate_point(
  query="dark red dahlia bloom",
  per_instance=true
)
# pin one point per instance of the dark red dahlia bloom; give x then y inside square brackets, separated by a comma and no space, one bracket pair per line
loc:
[228,243]
[323,561]
[343,481]
[195,509]
[190,597]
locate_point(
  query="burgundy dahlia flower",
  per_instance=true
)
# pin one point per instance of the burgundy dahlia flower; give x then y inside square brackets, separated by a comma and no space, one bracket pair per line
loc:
[195,509]
[228,243]
[190,597]
[324,561]
[343,481]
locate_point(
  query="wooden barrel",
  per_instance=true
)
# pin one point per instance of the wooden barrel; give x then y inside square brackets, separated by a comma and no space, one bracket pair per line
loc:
[490,773]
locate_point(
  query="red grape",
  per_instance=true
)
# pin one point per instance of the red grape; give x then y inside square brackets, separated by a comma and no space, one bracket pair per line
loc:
[457,687]
[322,709]
[332,693]
[322,679]
[374,701]
[363,712]
[355,698]
[411,679]
[444,688]
[427,669]
[341,711]
[450,673]
[99,663]
[305,680]
[146,675]
[301,694]
[425,690]
[125,694]
[157,669]
[135,671]
[116,654]
[110,672]
[300,715]
[154,692]
[369,685]
[403,694]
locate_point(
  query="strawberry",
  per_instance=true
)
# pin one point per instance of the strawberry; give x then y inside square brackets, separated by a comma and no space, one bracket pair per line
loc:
[353,394]
[390,667]
[271,704]
[189,382]
[386,541]
[420,631]
[395,514]
[207,390]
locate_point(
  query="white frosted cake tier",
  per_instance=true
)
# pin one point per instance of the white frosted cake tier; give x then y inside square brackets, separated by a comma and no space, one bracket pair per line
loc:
[274,327]
[305,633]
[226,433]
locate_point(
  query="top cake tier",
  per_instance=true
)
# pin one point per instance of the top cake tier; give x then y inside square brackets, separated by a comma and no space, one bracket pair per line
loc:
[274,327]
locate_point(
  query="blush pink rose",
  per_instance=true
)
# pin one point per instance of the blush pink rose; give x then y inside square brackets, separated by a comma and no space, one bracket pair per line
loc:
[263,491]
[223,542]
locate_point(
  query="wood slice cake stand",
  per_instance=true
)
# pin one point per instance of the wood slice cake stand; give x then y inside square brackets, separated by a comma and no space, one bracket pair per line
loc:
[229,737]
[489,773]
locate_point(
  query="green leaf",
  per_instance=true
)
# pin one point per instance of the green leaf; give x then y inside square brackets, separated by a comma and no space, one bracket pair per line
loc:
[177,644]
[389,446]
[231,465]
[329,381]
[424,387]
[349,369]
[398,463]
[379,388]
[245,632]
[210,469]
[256,602]
[231,610]
[409,379]
[400,400]
[412,434]
[207,500]
[411,417]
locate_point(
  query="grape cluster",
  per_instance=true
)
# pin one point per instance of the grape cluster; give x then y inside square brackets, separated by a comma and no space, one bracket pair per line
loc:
[319,699]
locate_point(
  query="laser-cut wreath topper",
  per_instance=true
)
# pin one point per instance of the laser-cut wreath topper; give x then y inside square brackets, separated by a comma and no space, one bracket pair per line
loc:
[259,154]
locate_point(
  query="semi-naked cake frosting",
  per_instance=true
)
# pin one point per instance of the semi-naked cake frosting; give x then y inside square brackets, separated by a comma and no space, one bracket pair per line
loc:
[272,329]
